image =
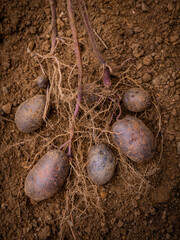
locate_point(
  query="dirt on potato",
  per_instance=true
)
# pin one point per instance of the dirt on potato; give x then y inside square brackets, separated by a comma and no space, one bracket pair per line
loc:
[140,41]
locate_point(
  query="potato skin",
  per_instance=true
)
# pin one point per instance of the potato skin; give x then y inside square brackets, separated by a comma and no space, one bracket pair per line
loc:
[101,164]
[28,117]
[136,99]
[134,138]
[47,176]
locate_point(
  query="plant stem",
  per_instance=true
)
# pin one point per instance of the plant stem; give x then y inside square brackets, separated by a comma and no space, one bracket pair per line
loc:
[54,25]
[84,13]
[77,53]
[79,64]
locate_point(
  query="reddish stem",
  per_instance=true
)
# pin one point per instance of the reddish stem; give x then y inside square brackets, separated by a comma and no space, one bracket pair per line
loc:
[79,64]
[54,25]
[77,53]
[84,13]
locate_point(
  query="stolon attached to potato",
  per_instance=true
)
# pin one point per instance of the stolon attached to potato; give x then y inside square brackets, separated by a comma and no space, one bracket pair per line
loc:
[130,134]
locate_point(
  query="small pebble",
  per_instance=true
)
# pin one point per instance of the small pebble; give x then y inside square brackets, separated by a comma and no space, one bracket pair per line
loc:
[7,108]
[148,60]
[103,194]
[120,224]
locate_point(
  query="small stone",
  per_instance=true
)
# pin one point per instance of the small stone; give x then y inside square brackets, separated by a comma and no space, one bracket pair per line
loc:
[147,77]
[7,108]
[120,224]
[147,60]
[103,194]
[5,90]
[174,38]
[144,7]
[174,112]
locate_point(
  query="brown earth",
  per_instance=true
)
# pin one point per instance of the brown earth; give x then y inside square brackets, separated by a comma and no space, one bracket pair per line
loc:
[147,32]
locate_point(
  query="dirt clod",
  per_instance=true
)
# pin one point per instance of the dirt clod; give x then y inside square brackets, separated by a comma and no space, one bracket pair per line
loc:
[144,7]
[147,60]
[7,108]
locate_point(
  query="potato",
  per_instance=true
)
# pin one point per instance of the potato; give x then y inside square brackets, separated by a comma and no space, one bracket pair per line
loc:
[134,139]
[101,164]
[28,117]
[42,81]
[47,176]
[136,99]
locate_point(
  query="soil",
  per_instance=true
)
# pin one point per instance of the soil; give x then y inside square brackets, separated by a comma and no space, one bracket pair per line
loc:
[142,41]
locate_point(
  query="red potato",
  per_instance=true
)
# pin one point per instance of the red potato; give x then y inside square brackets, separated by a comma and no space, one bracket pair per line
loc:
[101,164]
[136,99]
[28,117]
[47,176]
[134,139]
